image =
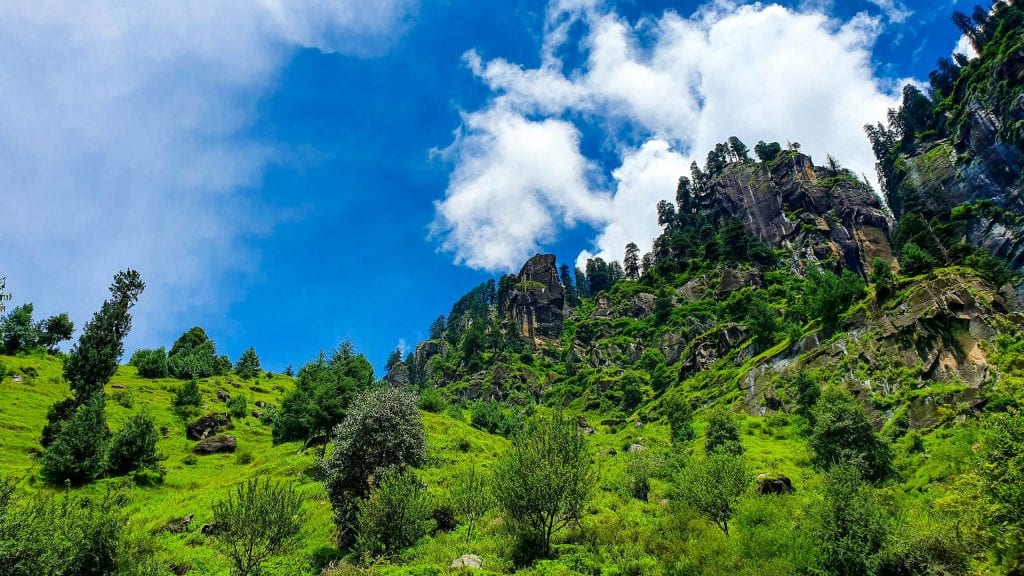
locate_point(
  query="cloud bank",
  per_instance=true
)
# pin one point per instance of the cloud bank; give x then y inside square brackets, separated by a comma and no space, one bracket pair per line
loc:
[122,140]
[682,83]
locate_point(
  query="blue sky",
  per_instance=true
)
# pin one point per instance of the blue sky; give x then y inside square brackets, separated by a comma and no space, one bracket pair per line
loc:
[290,175]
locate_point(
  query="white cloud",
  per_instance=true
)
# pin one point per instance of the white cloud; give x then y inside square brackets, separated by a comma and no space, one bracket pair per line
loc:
[516,182]
[965,47]
[896,11]
[120,141]
[684,84]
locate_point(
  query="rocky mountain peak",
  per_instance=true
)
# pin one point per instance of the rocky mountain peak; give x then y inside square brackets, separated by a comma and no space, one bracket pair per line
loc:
[534,303]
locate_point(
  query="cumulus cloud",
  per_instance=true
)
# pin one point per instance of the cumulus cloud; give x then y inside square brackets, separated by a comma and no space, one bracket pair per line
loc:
[682,83]
[894,10]
[121,145]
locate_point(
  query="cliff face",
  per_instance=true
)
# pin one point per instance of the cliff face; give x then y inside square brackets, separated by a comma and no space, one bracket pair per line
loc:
[819,214]
[534,304]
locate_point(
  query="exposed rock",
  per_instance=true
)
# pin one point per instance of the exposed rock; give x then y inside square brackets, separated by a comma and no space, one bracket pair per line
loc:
[610,452]
[470,561]
[165,432]
[634,448]
[223,395]
[208,426]
[731,280]
[640,306]
[693,290]
[768,484]
[178,525]
[216,445]
[612,422]
[535,303]
[257,414]
[398,376]
[261,404]
[708,348]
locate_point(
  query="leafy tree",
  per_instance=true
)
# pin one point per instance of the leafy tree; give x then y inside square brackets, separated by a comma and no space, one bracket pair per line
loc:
[881,277]
[807,394]
[78,454]
[722,434]
[767,152]
[396,515]
[187,395]
[323,391]
[134,446]
[257,521]
[237,406]
[382,430]
[17,332]
[437,328]
[712,486]
[544,480]
[54,330]
[843,434]
[915,260]
[663,306]
[738,149]
[679,413]
[632,261]
[566,277]
[193,355]
[1001,461]
[851,527]
[684,196]
[471,497]
[248,365]
[763,322]
[582,286]
[150,363]
[827,294]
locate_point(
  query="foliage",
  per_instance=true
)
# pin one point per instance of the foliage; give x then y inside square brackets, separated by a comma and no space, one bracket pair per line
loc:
[763,322]
[827,294]
[78,454]
[722,434]
[915,260]
[248,365]
[851,526]
[194,355]
[431,400]
[17,331]
[382,430]
[843,434]
[1002,472]
[257,521]
[396,514]
[471,498]
[543,482]
[807,394]
[882,278]
[187,395]
[237,405]
[713,485]
[679,414]
[150,363]
[322,394]
[134,446]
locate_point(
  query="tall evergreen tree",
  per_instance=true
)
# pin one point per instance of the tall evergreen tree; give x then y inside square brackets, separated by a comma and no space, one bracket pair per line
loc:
[248,365]
[632,261]
[567,283]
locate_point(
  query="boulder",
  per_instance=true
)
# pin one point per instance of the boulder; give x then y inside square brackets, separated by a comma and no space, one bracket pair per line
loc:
[634,448]
[223,395]
[773,484]
[216,445]
[208,426]
[471,561]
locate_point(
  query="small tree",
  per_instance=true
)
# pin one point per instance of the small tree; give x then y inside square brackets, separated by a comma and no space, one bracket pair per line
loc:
[78,453]
[382,430]
[631,262]
[150,363]
[763,322]
[248,365]
[722,434]
[851,527]
[712,486]
[395,515]
[881,277]
[17,332]
[544,480]
[237,405]
[54,330]
[843,434]
[471,497]
[134,446]
[807,394]
[256,522]
[679,414]
[187,395]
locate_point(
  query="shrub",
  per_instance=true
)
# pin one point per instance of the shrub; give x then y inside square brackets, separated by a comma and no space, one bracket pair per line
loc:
[237,406]
[394,516]
[431,400]
[134,446]
[807,393]
[712,486]
[150,363]
[381,431]
[187,395]
[544,480]
[680,418]
[763,322]
[471,498]
[914,260]
[722,434]
[256,522]
[851,528]
[843,434]
[78,453]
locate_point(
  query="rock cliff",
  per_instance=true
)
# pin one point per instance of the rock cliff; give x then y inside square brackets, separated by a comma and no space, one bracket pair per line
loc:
[534,304]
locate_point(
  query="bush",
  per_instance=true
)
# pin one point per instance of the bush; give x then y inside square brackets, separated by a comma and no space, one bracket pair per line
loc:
[722,434]
[187,395]
[431,400]
[843,434]
[680,418]
[914,260]
[194,355]
[79,451]
[543,481]
[150,363]
[237,406]
[256,522]
[134,446]
[851,527]
[763,322]
[394,516]
[471,498]
[827,295]
[381,431]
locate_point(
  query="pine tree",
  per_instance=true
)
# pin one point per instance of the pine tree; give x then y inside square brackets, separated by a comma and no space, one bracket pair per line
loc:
[567,283]
[248,365]
[632,261]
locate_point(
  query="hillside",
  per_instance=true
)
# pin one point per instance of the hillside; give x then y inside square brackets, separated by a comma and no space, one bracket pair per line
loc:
[797,377]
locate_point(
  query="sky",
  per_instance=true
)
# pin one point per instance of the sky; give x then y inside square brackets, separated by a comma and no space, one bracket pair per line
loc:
[291,174]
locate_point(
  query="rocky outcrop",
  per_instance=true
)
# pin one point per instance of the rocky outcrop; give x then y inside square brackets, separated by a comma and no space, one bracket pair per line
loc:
[216,445]
[821,214]
[208,426]
[534,305]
